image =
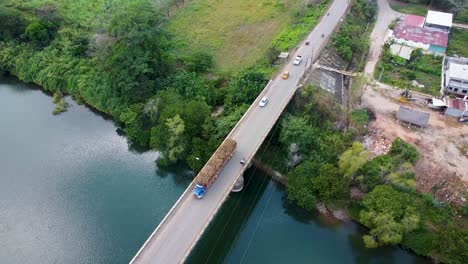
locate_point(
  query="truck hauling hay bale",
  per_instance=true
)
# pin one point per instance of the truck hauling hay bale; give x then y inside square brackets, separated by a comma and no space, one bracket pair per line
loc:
[214,165]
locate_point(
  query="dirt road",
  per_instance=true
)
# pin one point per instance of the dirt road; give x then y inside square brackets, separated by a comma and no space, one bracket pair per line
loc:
[443,168]
[385,16]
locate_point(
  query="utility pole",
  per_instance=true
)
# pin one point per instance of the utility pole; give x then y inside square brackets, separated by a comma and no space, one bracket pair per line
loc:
[380,75]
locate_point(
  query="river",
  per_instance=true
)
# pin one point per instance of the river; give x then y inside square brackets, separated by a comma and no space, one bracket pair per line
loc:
[73,191]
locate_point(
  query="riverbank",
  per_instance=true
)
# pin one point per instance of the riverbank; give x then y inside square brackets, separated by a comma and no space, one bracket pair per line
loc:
[76,176]
[71,190]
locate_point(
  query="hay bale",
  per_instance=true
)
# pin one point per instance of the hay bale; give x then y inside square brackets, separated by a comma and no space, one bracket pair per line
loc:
[216,161]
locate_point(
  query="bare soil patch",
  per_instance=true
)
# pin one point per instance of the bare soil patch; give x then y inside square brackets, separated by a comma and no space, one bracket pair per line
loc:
[443,168]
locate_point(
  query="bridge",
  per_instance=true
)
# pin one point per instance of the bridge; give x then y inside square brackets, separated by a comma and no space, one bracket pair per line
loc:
[177,234]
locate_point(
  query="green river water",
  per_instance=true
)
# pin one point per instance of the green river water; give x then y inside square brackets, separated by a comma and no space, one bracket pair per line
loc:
[73,191]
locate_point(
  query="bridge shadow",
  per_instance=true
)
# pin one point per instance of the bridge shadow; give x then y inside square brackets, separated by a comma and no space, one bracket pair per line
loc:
[217,240]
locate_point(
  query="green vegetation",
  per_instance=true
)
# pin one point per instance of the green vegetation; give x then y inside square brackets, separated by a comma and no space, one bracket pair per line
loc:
[458,42]
[119,58]
[462,16]
[352,40]
[352,160]
[392,209]
[126,59]
[420,7]
[236,33]
[396,71]
[389,214]
[60,103]
[415,7]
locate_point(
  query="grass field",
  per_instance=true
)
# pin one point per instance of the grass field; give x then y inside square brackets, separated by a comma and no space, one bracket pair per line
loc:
[409,8]
[458,42]
[237,33]
[87,13]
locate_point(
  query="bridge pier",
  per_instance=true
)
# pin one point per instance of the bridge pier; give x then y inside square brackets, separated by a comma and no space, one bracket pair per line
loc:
[239,185]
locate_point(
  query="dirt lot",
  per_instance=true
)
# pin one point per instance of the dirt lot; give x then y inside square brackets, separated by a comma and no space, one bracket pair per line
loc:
[443,168]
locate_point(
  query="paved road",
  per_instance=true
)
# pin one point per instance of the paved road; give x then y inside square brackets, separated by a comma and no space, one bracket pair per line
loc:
[385,16]
[178,233]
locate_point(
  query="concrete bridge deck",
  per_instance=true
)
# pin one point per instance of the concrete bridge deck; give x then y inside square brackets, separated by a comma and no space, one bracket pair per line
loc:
[179,231]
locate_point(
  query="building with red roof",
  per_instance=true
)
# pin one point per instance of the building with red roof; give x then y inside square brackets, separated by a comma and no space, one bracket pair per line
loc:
[414,20]
[410,32]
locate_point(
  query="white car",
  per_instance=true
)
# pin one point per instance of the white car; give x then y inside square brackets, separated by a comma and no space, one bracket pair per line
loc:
[297,60]
[263,102]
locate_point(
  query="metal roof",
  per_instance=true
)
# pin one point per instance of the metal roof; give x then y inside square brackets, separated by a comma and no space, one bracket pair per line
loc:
[414,20]
[439,18]
[458,103]
[413,116]
[459,71]
[421,35]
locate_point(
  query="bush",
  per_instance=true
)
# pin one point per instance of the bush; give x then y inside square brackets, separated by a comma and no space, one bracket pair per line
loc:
[421,241]
[41,33]
[12,23]
[199,61]
[404,151]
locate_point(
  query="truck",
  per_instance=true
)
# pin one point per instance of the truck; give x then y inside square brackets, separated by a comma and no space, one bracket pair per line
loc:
[210,171]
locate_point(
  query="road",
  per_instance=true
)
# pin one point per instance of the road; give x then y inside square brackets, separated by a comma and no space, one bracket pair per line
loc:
[179,231]
[459,25]
[385,16]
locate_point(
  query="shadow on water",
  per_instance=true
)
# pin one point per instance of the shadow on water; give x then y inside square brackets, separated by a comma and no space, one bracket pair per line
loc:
[216,242]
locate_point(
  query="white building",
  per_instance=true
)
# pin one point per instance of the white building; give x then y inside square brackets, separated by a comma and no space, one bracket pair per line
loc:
[438,20]
[456,78]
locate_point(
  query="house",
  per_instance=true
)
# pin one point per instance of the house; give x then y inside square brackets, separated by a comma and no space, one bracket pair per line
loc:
[414,20]
[457,107]
[438,20]
[455,76]
[430,33]
[413,117]
[434,41]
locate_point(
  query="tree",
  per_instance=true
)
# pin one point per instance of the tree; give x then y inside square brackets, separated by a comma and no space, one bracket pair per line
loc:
[352,160]
[374,170]
[190,86]
[300,187]
[199,61]
[312,181]
[13,23]
[404,151]
[452,243]
[329,186]
[296,130]
[41,33]
[389,214]
[176,144]
[244,88]
[140,54]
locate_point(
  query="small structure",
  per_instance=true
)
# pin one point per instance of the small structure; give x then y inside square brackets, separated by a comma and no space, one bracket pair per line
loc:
[413,117]
[457,107]
[283,55]
[401,51]
[439,20]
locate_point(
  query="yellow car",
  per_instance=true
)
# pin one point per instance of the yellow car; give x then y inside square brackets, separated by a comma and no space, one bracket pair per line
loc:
[285,75]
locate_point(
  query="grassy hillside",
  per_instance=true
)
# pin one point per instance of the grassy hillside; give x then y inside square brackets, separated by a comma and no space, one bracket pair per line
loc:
[86,13]
[128,59]
[237,33]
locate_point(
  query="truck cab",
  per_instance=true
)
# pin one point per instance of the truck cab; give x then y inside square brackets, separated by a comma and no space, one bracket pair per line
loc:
[199,191]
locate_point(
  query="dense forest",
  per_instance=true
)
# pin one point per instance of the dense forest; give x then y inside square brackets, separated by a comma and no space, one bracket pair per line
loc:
[124,64]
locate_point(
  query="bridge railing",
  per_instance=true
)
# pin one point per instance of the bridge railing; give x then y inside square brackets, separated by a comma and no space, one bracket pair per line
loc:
[192,184]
